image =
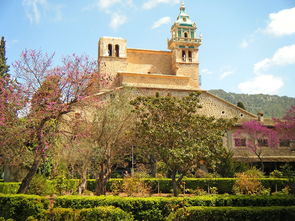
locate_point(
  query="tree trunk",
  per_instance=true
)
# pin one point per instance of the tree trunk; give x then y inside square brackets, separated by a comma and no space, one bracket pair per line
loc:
[83,183]
[174,184]
[27,180]
[153,163]
[102,179]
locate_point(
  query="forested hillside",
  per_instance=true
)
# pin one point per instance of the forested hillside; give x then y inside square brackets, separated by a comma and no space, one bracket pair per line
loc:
[270,105]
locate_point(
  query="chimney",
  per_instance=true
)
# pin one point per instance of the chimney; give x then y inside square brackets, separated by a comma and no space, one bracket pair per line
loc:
[260,116]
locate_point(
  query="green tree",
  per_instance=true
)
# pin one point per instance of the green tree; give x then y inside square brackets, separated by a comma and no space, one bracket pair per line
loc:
[241,105]
[4,68]
[171,129]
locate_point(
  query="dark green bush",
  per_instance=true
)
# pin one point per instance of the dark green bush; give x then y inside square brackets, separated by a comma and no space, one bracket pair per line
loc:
[164,185]
[20,207]
[278,213]
[98,213]
[104,213]
[40,186]
[157,208]
[9,188]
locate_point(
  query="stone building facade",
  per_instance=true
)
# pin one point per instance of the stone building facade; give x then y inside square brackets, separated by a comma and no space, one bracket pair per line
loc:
[174,72]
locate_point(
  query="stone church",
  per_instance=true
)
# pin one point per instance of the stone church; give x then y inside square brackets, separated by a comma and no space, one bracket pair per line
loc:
[176,72]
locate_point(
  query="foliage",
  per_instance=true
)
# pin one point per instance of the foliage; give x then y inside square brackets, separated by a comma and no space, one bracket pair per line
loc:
[49,93]
[9,188]
[19,207]
[241,105]
[270,105]
[276,174]
[64,186]
[40,186]
[99,138]
[255,131]
[135,186]
[234,213]
[170,128]
[4,68]
[286,126]
[247,182]
[162,185]
[158,208]
[98,213]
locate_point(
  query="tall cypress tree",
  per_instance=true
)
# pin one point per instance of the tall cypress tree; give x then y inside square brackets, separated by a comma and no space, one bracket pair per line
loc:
[4,68]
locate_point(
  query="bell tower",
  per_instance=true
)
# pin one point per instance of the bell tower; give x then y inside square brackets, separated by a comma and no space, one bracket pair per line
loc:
[184,45]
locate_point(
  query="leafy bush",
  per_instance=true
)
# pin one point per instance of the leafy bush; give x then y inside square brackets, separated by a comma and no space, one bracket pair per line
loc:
[234,213]
[135,186]
[20,207]
[9,188]
[65,186]
[105,213]
[40,186]
[248,183]
[157,208]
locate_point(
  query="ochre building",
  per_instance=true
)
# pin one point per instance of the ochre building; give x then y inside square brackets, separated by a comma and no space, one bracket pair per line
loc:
[175,72]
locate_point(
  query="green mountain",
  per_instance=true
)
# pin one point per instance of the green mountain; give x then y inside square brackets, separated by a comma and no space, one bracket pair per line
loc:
[270,105]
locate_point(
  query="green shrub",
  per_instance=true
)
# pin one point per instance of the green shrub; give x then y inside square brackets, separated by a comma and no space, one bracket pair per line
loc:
[40,186]
[234,213]
[157,208]
[104,213]
[65,186]
[20,207]
[9,188]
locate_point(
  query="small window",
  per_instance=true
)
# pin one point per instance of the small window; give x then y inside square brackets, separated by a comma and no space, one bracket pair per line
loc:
[240,142]
[185,35]
[117,50]
[110,50]
[284,143]
[242,115]
[263,142]
[184,19]
[223,112]
[183,56]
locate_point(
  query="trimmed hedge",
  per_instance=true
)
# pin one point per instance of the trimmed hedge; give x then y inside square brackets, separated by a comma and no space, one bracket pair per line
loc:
[277,213]
[92,214]
[157,208]
[20,207]
[9,188]
[224,185]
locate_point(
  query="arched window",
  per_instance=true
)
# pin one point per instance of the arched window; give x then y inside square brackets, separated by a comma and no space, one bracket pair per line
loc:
[190,56]
[117,50]
[185,34]
[183,56]
[110,50]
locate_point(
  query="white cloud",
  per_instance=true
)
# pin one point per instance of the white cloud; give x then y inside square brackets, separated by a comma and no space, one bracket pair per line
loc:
[105,4]
[226,74]
[117,20]
[153,3]
[283,56]
[36,9]
[282,22]
[262,84]
[161,21]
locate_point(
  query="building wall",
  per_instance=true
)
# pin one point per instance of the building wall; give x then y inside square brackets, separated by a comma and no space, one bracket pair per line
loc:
[149,62]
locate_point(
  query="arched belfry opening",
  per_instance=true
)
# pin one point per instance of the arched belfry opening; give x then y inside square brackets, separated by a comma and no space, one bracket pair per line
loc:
[185,34]
[110,50]
[117,50]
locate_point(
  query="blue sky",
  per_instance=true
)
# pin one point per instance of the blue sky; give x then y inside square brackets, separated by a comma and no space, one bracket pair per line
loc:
[248,46]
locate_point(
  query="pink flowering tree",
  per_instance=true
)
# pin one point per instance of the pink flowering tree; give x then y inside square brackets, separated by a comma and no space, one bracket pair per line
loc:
[50,93]
[257,135]
[286,126]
